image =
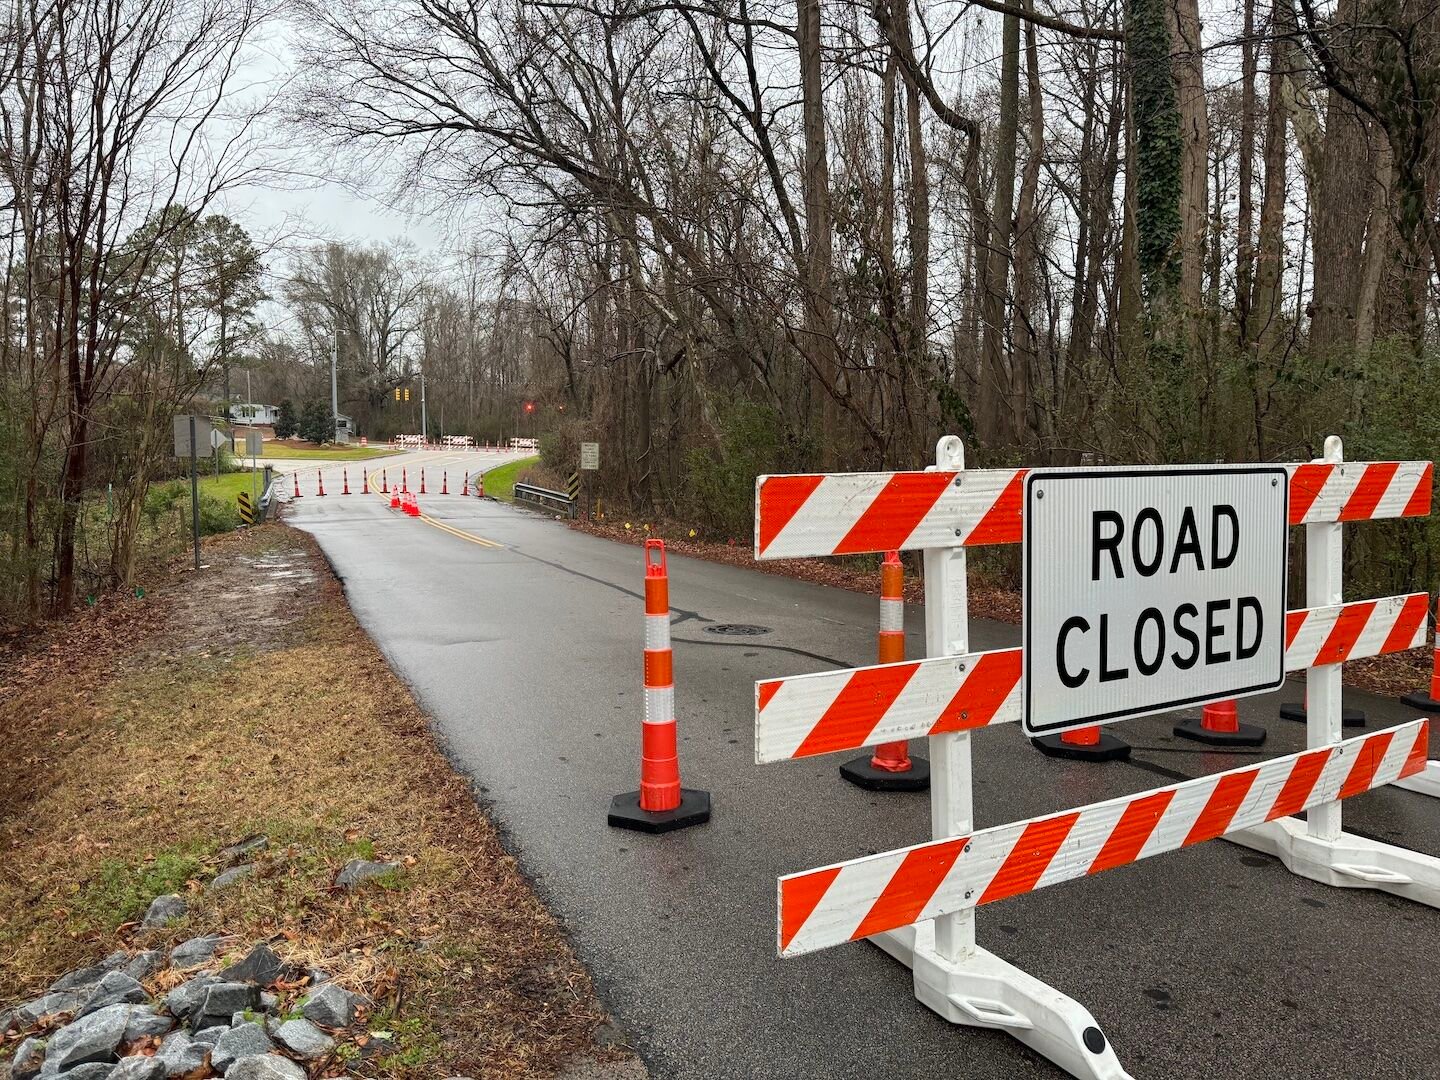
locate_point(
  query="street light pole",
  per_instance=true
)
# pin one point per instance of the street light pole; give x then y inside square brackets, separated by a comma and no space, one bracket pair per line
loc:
[424,427]
[335,383]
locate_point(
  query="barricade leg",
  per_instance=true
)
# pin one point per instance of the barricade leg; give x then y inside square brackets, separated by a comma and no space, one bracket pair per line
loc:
[952,975]
[1219,725]
[661,804]
[890,768]
[1083,744]
[1317,848]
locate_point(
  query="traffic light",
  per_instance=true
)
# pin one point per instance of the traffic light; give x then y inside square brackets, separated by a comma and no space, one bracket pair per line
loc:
[407,393]
[529,406]
[397,393]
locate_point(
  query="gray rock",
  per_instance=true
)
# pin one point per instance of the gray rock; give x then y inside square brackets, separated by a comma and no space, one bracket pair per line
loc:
[269,1002]
[62,1001]
[144,964]
[210,1035]
[185,998]
[91,1070]
[261,966]
[138,1067]
[115,961]
[180,1054]
[304,1039]
[330,1007]
[231,876]
[223,1000]
[28,1060]
[243,1041]
[90,1038]
[317,976]
[357,871]
[242,848]
[195,951]
[114,989]
[264,1067]
[80,978]
[164,910]
[144,1021]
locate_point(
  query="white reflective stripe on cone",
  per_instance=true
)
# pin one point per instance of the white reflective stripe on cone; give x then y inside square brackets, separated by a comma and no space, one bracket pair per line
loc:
[659,704]
[892,616]
[657,631]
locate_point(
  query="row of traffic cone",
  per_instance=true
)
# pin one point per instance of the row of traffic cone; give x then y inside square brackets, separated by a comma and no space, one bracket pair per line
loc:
[404,485]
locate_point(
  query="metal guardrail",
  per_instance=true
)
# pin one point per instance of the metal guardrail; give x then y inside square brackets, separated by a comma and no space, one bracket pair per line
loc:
[556,502]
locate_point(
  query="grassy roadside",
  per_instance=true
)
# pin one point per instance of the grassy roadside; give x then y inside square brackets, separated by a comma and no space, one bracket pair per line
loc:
[148,734]
[500,481]
[323,453]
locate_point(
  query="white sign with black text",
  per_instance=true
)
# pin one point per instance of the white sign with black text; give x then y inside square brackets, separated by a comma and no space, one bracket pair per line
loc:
[1149,589]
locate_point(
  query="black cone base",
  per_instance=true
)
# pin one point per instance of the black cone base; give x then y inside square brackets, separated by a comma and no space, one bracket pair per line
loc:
[1109,748]
[1247,735]
[862,774]
[1294,710]
[1424,702]
[625,812]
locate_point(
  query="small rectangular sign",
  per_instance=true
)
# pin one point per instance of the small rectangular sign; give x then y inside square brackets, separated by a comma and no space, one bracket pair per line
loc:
[203,431]
[254,444]
[1148,589]
[590,455]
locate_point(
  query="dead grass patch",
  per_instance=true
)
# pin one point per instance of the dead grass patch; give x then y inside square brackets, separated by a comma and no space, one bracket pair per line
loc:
[150,734]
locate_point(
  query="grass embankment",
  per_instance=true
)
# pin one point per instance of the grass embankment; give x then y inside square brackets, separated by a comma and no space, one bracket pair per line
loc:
[500,481]
[322,453]
[148,734]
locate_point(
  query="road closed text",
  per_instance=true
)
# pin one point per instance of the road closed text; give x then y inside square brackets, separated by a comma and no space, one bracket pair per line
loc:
[1148,589]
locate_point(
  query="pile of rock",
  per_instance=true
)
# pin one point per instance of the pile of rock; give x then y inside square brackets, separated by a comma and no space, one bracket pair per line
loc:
[100,1023]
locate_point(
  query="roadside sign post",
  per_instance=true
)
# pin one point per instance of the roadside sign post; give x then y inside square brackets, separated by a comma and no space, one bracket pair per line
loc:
[589,465]
[191,433]
[253,448]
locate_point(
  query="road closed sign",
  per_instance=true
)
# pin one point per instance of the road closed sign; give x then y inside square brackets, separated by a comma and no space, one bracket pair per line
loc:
[1149,589]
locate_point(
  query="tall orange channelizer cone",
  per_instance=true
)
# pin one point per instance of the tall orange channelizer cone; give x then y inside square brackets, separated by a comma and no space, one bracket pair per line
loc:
[404,479]
[1428,703]
[480,486]
[661,804]
[466,489]
[1219,725]
[364,482]
[345,472]
[445,482]
[890,768]
[1296,710]
[319,482]
[1083,744]
[422,481]
[297,486]
[384,481]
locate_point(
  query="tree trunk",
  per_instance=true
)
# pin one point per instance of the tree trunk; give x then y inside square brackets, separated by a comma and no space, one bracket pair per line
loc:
[1189,74]
[819,301]
[997,426]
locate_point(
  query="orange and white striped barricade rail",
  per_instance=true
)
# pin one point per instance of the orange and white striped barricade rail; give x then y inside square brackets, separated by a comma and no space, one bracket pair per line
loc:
[1427,781]
[890,767]
[661,804]
[918,903]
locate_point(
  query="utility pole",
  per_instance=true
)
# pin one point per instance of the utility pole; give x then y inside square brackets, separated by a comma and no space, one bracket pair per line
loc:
[424,427]
[334,383]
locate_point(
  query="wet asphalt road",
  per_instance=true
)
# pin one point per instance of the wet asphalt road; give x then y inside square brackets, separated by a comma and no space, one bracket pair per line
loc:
[1210,962]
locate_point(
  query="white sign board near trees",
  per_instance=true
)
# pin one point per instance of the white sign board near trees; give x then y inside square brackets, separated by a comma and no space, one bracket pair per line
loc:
[590,455]
[1148,589]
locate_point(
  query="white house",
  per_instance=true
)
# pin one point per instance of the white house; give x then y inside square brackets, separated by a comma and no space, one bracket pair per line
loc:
[253,413]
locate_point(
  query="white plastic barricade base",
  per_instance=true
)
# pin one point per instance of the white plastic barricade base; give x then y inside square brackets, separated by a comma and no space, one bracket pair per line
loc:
[985,991]
[1351,862]
[1425,782]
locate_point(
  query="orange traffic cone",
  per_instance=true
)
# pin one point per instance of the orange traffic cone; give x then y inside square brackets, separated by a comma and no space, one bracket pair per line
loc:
[395,499]
[384,481]
[404,479]
[1219,725]
[480,486]
[661,804]
[1083,744]
[445,482]
[320,482]
[364,482]
[890,768]
[297,487]
[346,474]
[422,481]
[1428,703]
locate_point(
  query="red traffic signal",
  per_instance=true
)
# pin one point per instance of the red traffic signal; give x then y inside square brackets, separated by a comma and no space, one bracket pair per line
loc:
[529,406]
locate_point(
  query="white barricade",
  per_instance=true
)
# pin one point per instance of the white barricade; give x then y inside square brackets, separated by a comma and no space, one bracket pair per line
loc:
[918,903]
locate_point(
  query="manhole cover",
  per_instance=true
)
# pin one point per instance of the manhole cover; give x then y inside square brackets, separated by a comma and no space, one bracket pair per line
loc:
[737,629]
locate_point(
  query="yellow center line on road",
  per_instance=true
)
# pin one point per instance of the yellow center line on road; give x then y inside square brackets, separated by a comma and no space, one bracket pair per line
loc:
[460,534]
